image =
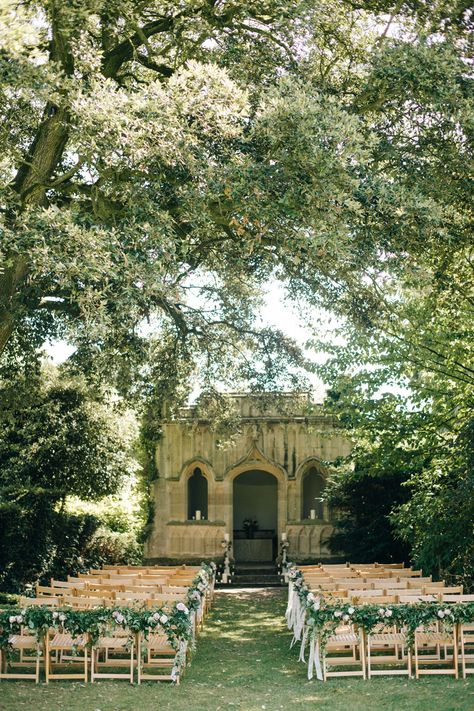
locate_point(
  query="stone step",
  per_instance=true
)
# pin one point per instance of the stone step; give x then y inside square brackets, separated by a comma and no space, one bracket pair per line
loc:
[255,576]
[259,583]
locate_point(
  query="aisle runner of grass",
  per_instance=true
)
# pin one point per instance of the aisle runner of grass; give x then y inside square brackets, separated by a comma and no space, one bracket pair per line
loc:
[243,662]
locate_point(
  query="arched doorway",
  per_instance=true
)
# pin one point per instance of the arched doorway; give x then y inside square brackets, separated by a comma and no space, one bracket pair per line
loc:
[255,513]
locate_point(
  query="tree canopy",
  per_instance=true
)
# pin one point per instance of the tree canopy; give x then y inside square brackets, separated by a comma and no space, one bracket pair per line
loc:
[160,161]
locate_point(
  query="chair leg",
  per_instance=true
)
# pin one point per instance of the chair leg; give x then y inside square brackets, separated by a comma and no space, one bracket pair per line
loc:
[417,670]
[362,654]
[455,651]
[46,658]
[139,658]
[132,652]
[463,655]
[369,668]
[37,669]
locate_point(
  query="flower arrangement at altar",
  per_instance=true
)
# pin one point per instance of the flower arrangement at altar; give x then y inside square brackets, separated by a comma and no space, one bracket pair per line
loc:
[250,525]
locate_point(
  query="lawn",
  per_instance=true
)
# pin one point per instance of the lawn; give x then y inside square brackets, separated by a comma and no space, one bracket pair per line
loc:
[243,661]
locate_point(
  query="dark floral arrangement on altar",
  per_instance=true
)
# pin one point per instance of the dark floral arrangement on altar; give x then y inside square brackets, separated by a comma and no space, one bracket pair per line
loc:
[250,525]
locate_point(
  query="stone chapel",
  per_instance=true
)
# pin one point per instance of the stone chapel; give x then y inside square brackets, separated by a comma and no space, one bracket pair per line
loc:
[265,484]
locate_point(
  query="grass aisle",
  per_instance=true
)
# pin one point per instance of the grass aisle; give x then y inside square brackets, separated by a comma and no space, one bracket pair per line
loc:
[243,662]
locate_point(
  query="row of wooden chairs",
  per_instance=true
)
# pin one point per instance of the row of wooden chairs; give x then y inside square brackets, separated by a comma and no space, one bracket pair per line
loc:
[435,651]
[137,587]
[386,652]
[68,658]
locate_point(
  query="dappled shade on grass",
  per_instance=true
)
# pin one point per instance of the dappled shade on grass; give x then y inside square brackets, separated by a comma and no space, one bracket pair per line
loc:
[243,661]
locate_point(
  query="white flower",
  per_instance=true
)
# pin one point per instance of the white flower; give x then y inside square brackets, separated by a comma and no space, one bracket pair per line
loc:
[163,619]
[317,605]
[182,608]
[350,610]
[338,613]
[55,615]
[19,618]
[62,617]
[388,613]
[381,612]
[12,619]
[310,597]
[448,611]
[440,613]
[345,617]
[156,616]
[151,620]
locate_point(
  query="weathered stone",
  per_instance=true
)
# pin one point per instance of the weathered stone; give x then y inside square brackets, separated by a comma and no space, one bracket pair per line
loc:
[286,442]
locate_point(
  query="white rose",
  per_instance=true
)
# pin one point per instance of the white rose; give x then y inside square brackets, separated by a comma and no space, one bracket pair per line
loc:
[182,608]
[345,617]
[350,610]
[12,619]
[62,617]
[388,613]
[382,612]
[440,613]
[156,616]
[163,619]
[338,613]
[19,618]
[448,611]
[55,615]
[316,605]
[310,597]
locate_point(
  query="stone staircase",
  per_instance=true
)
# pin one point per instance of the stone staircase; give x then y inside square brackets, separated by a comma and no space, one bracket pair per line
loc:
[254,575]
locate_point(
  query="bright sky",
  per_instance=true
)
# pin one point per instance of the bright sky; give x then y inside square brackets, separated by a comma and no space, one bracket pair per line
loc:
[276,312]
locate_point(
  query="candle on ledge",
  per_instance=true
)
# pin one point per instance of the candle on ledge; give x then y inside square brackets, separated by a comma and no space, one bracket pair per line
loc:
[312,514]
[198,515]
[227,537]
[283,536]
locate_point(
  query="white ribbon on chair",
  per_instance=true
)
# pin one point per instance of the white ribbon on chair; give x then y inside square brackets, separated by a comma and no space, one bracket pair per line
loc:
[300,617]
[314,661]
[289,607]
[303,644]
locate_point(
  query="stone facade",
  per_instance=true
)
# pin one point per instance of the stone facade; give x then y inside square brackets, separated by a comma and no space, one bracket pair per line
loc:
[287,442]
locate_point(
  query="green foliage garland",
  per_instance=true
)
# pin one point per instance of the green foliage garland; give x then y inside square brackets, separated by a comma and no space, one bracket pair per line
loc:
[324,615]
[176,622]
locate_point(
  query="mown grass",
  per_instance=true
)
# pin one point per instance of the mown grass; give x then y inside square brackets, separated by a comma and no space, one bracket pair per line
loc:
[243,661]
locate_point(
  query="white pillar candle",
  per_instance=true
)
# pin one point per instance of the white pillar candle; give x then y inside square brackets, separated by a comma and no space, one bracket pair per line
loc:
[283,536]
[198,515]
[312,513]
[227,537]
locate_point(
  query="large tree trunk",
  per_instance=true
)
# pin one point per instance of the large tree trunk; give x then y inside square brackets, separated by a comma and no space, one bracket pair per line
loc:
[31,184]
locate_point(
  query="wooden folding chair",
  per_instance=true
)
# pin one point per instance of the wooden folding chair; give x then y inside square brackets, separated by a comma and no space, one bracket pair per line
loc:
[390,647]
[432,642]
[156,658]
[57,646]
[21,643]
[466,642]
[347,649]
[118,651]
